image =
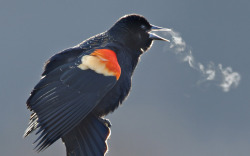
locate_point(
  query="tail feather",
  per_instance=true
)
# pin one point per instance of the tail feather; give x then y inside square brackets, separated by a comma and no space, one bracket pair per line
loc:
[89,138]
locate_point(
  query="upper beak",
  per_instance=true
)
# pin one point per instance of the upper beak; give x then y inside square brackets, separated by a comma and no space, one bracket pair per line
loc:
[156,37]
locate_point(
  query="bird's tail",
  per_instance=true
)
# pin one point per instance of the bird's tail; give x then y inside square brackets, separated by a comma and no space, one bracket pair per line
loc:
[89,138]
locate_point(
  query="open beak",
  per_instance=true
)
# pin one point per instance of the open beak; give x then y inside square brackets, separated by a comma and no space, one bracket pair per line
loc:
[156,37]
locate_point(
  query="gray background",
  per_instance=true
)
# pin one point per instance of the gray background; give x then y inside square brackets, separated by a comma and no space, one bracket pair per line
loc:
[167,113]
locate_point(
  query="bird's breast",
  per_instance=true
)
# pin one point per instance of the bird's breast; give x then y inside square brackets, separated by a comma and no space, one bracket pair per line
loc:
[114,97]
[122,87]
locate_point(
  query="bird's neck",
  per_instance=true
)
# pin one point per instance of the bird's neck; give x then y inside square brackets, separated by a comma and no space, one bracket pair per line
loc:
[124,37]
[128,58]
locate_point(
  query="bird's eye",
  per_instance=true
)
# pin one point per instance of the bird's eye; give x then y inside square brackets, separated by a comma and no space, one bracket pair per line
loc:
[143,27]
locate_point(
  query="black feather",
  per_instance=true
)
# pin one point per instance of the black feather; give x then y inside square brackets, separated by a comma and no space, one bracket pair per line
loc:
[61,101]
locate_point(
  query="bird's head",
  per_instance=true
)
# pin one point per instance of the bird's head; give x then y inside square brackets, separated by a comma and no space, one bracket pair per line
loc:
[135,32]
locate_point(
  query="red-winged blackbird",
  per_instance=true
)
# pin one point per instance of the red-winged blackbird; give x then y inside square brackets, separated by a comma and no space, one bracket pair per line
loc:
[82,84]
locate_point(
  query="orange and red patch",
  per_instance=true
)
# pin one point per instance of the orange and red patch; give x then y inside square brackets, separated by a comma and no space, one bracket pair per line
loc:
[102,61]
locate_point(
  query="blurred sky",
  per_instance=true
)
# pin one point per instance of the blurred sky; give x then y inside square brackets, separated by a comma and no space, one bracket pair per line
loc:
[167,113]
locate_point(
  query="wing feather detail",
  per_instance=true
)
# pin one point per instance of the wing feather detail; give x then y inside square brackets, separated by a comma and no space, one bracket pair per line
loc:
[62,99]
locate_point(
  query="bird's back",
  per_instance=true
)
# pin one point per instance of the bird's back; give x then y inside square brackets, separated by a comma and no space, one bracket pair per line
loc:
[70,54]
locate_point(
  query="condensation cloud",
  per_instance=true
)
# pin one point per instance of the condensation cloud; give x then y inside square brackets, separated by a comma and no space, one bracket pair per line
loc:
[225,77]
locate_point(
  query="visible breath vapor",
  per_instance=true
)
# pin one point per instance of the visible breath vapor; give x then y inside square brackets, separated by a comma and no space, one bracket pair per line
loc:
[224,77]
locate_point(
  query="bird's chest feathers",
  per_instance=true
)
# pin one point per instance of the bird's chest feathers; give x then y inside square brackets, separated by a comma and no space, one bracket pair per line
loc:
[102,61]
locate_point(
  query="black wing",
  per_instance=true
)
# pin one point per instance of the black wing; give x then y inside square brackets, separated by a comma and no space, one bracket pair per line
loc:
[62,99]
[63,57]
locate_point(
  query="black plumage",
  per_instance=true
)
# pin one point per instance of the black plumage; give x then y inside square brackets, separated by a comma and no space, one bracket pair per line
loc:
[69,102]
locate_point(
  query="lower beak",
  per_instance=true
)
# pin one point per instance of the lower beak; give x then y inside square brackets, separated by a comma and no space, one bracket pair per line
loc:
[156,37]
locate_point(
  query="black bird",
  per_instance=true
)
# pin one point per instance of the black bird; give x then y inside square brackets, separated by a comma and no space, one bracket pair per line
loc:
[82,84]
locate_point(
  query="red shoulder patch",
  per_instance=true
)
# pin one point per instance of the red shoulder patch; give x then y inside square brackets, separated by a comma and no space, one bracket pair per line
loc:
[102,61]
[109,58]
